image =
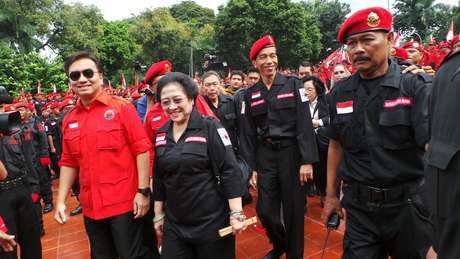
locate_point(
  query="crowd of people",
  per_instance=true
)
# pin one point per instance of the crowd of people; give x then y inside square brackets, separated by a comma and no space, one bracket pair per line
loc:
[172,159]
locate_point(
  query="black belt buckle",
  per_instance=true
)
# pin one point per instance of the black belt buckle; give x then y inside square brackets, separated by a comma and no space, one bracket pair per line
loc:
[377,195]
[276,144]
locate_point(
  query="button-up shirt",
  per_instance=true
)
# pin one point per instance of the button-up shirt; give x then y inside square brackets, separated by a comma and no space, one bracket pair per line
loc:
[102,141]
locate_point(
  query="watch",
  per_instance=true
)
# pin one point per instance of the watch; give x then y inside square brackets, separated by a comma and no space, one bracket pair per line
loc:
[144,191]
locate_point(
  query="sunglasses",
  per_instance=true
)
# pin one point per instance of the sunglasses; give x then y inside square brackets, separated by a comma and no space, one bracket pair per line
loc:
[75,75]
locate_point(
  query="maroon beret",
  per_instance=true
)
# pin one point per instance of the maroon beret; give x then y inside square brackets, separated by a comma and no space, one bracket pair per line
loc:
[264,42]
[370,19]
[157,69]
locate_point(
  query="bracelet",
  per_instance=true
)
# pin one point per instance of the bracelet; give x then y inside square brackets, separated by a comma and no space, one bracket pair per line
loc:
[238,215]
[158,218]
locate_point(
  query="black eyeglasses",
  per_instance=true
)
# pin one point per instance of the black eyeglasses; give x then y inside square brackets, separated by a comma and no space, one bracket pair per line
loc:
[75,75]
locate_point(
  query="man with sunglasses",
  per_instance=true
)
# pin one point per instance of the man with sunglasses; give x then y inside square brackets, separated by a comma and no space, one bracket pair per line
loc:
[105,145]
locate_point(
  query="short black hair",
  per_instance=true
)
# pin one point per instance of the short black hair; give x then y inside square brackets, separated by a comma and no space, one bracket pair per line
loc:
[187,83]
[211,73]
[305,64]
[81,55]
[253,70]
[317,83]
[237,73]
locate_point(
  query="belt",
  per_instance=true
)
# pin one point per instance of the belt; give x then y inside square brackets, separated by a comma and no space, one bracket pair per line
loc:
[278,143]
[376,196]
[11,184]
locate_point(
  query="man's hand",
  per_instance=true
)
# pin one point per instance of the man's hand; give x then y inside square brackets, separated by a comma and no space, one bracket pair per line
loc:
[141,205]
[7,242]
[53,150]
[253,180]
[315,123]
[331,205]
[429,70]
[414,69]
[305,172]
[159,227]
[60,216]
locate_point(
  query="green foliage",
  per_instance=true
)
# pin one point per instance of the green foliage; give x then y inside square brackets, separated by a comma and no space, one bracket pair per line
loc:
[161,37]
[424,18]
[23,71]
[329,14]
[192,14]
[241,22]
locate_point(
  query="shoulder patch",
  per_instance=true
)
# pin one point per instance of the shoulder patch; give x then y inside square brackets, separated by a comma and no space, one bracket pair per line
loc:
[224,136]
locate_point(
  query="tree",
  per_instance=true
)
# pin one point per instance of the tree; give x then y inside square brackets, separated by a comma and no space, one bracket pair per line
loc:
[117,48]
[75,27]
[23,71]
[161,37]
[242,22]
[192,14]
[24,23]
[329,14]
[422,18]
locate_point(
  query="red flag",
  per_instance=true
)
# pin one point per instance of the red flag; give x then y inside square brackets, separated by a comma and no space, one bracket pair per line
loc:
[450,32]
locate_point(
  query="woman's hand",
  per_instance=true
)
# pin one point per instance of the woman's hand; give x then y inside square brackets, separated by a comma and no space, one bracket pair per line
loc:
[238,226]
[159,227]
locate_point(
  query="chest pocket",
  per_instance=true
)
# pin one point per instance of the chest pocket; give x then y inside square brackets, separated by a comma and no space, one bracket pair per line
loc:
[258,106]
[109,136]
[396,132]
[350,134]
[72,141]
[229,119]
[195,148]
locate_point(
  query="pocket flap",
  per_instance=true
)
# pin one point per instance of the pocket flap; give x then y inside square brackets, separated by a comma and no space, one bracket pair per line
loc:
[400,116]
[440,154]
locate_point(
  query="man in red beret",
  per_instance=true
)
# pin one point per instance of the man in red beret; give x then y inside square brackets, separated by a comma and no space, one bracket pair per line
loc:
[414,51]
[278,142]
[149,87]
[378,131]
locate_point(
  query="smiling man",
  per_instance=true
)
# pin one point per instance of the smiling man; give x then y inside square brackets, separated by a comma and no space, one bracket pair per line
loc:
[278,142]
[378,131]
[105,145]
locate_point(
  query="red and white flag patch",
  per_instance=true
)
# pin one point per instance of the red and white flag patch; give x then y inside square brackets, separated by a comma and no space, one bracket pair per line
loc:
[344,107]
[157,118]
[160,143]
[400,101]
[196,139]
[160,137]
[255,95]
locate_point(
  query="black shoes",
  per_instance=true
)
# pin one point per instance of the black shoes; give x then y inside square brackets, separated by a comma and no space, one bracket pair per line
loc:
[48,208]
[76,211]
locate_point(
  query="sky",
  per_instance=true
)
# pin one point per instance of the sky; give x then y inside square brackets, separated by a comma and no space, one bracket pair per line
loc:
[117,10]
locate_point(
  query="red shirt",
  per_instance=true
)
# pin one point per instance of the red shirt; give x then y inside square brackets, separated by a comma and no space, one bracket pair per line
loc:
[102,141]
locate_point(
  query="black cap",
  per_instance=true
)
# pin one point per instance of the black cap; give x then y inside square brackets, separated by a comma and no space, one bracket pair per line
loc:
[5,98]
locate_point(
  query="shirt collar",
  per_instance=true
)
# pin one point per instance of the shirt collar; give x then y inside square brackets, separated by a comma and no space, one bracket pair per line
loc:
[102,97]
[391,78]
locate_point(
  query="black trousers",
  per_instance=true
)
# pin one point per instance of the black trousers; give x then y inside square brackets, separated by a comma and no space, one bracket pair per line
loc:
[279,189]
[443,193]
[116,237]
[320,171]
[399,229]
[149,235]
[44,175]
[20,216]
[174,247]
[55,163]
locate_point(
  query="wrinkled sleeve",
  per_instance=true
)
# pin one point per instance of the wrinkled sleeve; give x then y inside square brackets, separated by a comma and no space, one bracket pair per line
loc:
[137,138]
[247,133]
[67,159]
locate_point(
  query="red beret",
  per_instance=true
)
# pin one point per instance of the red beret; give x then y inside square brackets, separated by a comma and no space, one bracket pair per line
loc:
[25,105]
[65,102]
[45,107]
[157,69]
[413,44]
[444,44]
[370,19]
[401,53]
[264,42]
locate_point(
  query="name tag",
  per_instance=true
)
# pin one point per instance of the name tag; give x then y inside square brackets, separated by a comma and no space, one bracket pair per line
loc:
[286,95]
[195,139]
[73,125]
[256,103]
[224,137]
[400,101]
[344,107]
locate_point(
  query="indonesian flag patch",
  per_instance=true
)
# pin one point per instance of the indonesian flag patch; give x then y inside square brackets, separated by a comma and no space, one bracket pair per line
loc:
[160,137]
[344,107]
[255,95]
[195,139]
[157,118]
[73,125]
[160,143]
[400,101]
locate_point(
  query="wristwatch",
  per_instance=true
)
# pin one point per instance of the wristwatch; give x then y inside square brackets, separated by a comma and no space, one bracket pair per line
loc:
[144,191]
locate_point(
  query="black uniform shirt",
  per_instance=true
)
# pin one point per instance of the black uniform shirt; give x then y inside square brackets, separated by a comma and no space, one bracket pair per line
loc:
[185,180]
[445,106]
[12,156]
[383,130]
[279,113]
[226,112]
